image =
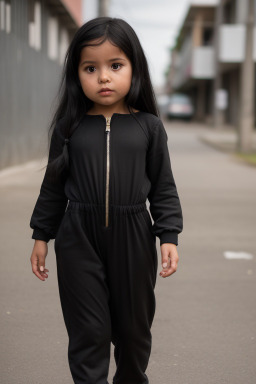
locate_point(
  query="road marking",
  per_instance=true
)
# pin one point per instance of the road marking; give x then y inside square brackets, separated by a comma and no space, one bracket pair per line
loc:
[238,255]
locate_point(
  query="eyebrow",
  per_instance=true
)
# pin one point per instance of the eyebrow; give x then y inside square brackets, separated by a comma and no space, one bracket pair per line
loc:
[93,62]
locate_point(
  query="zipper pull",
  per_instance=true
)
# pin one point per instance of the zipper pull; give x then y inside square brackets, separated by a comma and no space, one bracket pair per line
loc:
[108,120]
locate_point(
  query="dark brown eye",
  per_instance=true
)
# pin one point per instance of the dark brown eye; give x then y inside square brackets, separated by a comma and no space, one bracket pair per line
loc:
[89,68]
[115,65]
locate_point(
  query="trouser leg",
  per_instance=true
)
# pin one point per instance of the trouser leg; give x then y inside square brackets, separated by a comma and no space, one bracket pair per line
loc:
[84,296]
[132,269]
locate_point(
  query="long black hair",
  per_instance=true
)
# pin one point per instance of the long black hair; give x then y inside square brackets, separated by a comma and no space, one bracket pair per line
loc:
[73,104]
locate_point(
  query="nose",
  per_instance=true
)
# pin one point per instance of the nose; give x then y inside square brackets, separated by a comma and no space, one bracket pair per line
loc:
[103,76]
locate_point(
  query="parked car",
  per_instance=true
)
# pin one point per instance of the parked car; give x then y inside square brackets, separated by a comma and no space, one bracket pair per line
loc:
[180,107]
[163,103]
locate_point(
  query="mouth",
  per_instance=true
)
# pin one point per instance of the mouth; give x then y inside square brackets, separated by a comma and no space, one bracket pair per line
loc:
[105,91]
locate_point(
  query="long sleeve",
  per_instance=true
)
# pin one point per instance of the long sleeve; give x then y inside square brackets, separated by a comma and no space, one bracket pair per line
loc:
[51,203]
[164,201]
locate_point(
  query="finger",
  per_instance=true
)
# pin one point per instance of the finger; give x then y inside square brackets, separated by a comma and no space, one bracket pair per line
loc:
[44,274]
[165,274]
[36,271]
[165,260]
[38,274]
[169,271]
[41,263]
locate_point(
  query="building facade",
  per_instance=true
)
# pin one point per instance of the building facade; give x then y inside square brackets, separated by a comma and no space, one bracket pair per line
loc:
[34,37]
[210,46]
[192,61]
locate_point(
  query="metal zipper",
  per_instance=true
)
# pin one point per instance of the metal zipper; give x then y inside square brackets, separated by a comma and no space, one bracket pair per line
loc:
[107,130]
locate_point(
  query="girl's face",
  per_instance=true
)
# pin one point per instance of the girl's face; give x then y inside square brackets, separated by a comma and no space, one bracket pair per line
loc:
[105,66]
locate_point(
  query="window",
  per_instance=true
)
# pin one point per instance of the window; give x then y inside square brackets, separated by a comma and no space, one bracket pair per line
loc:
[34,24]
[229,12]
[64,42]
[53,31]
[5,16]
[207,36]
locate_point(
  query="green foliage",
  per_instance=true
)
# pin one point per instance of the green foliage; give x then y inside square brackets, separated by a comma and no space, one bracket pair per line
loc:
[249,158]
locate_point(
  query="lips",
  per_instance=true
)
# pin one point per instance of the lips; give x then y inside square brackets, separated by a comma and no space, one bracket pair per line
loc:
[105,90]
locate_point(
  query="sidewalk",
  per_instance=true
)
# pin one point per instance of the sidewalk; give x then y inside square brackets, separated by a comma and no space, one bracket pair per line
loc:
[224,139]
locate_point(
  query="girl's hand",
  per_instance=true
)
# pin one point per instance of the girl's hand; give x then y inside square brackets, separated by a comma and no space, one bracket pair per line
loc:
[169,250]
[37,259]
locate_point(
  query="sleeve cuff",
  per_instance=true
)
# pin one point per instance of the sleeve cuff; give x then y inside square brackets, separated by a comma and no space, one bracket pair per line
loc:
[168,237]
[39,234]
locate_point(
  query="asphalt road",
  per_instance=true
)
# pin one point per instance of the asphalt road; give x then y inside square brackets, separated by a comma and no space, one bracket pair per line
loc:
[204,330]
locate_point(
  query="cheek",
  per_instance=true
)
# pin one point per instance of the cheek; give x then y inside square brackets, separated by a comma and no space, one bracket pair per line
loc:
[86,82]
[129,76]
[129,80]
[126,79]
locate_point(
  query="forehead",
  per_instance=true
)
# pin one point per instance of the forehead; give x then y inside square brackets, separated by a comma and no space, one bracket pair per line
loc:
[103,51]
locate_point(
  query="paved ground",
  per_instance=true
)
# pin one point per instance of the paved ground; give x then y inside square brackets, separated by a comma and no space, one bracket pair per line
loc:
[204,331]
[225,139]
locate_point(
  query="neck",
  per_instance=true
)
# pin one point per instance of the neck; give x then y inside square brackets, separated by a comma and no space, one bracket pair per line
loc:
[108,111]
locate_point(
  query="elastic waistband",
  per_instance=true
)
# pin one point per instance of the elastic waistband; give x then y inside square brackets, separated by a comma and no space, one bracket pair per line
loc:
[125,209]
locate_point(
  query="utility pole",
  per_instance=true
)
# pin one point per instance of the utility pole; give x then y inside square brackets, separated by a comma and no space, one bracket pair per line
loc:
[103,7]
[246,118]
[217,112]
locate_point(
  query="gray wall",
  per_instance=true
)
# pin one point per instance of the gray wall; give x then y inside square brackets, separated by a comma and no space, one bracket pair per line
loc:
[29,81]
[241,11]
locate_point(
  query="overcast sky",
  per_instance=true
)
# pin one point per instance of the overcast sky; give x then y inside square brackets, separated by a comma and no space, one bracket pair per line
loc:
[156,23]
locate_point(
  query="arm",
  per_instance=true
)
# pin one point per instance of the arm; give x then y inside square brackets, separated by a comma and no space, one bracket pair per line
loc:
[164,201]
[51,203]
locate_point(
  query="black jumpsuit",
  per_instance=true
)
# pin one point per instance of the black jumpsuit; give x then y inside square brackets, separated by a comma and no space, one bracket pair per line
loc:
[105,242]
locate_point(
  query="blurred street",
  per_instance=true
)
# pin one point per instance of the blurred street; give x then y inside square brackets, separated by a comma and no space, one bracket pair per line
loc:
[204,331]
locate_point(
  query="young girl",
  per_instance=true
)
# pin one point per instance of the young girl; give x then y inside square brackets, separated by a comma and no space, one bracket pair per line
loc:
[108,154]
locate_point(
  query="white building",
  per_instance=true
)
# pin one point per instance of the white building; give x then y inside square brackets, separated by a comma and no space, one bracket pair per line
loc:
[194,58]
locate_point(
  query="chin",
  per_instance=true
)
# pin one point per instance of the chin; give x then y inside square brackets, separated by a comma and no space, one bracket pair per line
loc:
[107,101]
